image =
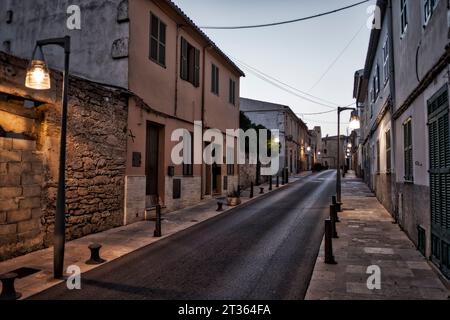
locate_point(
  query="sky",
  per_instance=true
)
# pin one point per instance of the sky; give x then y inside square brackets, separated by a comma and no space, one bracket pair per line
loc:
[297,54]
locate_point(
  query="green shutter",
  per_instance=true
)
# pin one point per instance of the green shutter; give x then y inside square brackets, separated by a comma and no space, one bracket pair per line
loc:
[439,154]
[184,59]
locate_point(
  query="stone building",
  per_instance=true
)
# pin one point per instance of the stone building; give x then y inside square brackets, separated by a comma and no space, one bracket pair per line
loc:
[29,158]
[417,117]
[174,72]
[293,131]
[329,151]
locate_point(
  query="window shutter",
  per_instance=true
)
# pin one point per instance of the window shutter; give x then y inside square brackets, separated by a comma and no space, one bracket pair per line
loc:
[213,77]
[184,59]
[197,68]
[217,81]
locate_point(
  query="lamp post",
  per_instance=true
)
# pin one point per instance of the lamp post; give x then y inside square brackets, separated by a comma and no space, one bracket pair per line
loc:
[354,124]
[38,77]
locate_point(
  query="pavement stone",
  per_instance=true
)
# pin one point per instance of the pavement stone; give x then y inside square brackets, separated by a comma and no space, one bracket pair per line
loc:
[367,237]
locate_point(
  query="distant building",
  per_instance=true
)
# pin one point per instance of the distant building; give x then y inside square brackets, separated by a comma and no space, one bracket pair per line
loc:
[294,135]
[329,151]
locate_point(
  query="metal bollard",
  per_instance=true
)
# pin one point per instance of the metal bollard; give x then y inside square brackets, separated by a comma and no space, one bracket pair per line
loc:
[8,290]
[270,183]
[333,221]
[157,232]
[333,213]
[278,181]
[329,257]
[338,205]
[251,190]
[261,190]
[95,254]
[219,206]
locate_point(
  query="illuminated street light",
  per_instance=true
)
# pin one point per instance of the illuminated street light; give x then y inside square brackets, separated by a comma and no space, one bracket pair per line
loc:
[38,77]
[355,122]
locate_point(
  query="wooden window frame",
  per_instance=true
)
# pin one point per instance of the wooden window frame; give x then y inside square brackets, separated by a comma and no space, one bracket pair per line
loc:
[215,73]
[159,43]
[408,151]
[232,92]
[189,63]
[388,151]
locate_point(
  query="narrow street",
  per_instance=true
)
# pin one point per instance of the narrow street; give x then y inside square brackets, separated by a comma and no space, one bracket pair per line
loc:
[265,250]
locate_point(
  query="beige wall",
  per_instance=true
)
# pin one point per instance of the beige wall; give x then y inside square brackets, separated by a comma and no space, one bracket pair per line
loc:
[171,102]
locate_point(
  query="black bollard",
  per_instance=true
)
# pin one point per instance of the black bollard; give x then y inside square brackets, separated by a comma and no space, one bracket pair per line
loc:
[333,221]
[8,290]
[219,206]
[278,181]
[251,190]
[329,257]
[270,183]
[95,254]
[338,205]
[157,232]
[261,190]
[335,213]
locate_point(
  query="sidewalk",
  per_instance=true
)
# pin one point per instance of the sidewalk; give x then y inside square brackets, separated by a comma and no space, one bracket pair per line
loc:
[368,236]
[118,242]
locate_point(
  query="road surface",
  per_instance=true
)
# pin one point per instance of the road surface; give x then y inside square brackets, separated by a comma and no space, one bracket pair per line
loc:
[264,250]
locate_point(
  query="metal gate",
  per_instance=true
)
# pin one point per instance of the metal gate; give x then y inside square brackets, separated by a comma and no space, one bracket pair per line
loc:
[439,153]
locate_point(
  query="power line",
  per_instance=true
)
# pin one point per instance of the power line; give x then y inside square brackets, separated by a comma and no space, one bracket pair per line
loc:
[337,58]
[287,21]
[315,113]
[283,83]
[285,89]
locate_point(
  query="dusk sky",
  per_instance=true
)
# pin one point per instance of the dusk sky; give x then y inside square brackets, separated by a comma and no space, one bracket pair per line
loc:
[297,54]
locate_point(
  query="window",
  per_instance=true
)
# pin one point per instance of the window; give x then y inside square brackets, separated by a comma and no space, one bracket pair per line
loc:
[232,93]
[408,151]
[386,60]
[190,63]
[404,16]
[157,40]
[188,168]
[388,151]
[378,157]
[377,81]
[230,169]
[429,7]
[214,79]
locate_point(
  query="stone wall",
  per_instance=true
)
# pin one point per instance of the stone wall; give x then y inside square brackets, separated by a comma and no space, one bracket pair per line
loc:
[95,164]
[96,155]
[21,169]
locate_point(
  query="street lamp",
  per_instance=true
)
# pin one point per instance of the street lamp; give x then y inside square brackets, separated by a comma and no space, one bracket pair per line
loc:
[38,77]
[354,124]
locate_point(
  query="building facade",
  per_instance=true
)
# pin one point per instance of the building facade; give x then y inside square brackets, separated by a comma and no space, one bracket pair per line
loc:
[294,135]
[329,153]
[171,75]
[412,141]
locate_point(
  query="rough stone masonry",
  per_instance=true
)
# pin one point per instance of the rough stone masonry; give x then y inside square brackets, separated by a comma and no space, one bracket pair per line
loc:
[29,158]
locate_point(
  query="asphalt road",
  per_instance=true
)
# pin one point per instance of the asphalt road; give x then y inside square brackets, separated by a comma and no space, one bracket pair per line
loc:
[265,250]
